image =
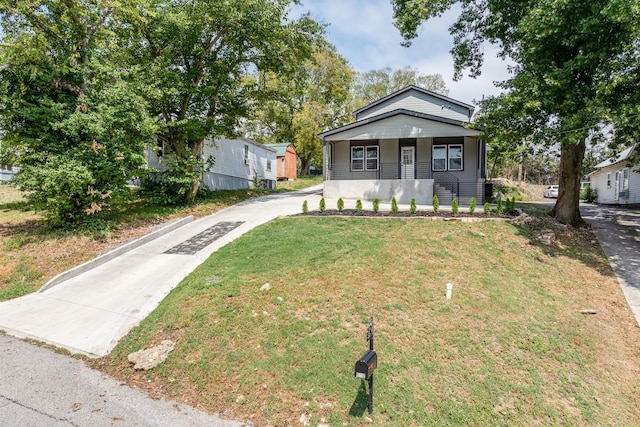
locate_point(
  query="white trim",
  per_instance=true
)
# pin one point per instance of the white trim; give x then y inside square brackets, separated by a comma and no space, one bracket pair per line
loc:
[447,159]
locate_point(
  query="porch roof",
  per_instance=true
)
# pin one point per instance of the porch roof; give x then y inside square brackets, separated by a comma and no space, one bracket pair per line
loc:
[399,124]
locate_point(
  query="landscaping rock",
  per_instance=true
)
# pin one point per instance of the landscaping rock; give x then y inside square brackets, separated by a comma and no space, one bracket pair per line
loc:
[522,219]
[547,237]
[144,360]
[265,287]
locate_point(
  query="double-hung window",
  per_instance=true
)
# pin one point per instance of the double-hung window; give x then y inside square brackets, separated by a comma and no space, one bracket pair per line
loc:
[447,157]
[364,158]
[625,179]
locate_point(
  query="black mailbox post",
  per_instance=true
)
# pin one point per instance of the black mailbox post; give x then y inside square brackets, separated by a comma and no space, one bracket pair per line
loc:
[367,364]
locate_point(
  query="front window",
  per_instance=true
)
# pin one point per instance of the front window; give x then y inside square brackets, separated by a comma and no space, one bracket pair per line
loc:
[372,158]
[440,158]
[625,179]
[455,157]
[447,157]
[357,158]
[609,180]
[364,158]
[268,164]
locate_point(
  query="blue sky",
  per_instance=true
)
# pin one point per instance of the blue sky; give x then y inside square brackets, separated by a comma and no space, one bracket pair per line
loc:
[363,33]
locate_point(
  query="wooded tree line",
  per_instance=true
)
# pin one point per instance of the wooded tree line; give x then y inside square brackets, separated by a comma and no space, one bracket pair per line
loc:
[87,85]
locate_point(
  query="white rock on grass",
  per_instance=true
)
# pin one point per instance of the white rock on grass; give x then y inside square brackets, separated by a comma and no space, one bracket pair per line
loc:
[265,287]
[144,360]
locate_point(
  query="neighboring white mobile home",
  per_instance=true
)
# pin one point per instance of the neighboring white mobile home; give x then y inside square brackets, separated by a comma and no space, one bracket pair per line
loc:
[616,181]
[238,163]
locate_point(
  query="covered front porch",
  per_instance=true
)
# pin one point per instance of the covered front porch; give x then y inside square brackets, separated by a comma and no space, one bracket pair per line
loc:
[406,168]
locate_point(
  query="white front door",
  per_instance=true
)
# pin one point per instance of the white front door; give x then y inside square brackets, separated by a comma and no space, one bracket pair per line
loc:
[407,168]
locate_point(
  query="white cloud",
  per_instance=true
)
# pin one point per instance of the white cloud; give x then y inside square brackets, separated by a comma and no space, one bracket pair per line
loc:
[363,33]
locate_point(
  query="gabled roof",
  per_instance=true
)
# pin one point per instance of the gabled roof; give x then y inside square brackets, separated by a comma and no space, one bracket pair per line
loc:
[393,113]
[410,88]
[280,147]
[257,144]
[624,155]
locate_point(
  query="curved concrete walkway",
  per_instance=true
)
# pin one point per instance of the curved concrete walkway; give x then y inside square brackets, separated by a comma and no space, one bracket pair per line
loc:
[88,311]
[618,231]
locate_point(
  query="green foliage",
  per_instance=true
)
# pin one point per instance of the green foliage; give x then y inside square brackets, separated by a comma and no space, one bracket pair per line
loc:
[305,207]
[589,194]
[454,207]
[576,68]
[436,204]
[172,187]
[413,209]
[511,204]
[376,84]
[297,105]
[499,208]
[340,204]
[323,205]
[376,205]
[394,205]
[487,208]
[72,119]
[358,205]
[195,57]
[472,206]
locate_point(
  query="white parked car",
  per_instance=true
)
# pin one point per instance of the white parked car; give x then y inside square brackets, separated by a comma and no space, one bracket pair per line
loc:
[551,192]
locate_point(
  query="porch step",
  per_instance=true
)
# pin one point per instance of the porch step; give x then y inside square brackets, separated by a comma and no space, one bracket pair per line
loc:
[444,196]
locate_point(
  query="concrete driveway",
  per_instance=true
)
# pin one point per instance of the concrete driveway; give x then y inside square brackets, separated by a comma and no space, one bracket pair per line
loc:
[87,310]
[618,231]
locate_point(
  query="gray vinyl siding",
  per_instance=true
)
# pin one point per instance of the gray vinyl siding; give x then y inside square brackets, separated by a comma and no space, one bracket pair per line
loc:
[389,159]
[414,100]
[402,126]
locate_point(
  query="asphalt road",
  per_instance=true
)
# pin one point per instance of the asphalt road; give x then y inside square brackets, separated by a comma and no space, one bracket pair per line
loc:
[41,388]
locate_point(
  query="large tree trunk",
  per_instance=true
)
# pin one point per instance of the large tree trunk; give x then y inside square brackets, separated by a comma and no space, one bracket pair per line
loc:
[567,208]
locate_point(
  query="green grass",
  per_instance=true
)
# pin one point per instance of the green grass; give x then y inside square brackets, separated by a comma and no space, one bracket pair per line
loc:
[32,251]
[510,347]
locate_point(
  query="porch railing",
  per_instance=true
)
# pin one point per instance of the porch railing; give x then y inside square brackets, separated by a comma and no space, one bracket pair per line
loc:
[420,170]
[446,185]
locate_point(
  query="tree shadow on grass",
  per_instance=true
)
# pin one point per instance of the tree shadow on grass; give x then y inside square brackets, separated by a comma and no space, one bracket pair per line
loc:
[361,402]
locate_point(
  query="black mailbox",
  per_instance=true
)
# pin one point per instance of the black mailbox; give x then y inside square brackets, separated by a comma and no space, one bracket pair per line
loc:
[366,365]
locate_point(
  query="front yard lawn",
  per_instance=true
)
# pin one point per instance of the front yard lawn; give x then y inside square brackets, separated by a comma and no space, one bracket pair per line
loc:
[510,348]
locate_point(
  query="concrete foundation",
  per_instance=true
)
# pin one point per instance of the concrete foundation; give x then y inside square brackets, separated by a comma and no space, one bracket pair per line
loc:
[369,189]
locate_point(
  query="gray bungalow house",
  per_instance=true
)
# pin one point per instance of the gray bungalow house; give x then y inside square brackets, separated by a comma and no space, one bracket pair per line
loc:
[410,144]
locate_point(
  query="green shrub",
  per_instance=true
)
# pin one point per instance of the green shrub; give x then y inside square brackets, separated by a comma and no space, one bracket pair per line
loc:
[487,208]
[499,207]
[454,207]
[413,207]
[340,204]
[323,205]
[589,194]
[394,205]
[376,205]
[305,207]
[472,206]
[436,204]
[358,205]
